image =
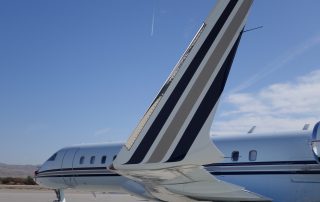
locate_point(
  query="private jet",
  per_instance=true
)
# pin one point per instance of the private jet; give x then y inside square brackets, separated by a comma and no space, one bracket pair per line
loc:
[170,155]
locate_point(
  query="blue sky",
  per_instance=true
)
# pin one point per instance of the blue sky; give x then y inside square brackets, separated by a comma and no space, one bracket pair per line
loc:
[85,71]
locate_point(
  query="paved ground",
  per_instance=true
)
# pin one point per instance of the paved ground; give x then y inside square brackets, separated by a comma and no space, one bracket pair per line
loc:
[24,195]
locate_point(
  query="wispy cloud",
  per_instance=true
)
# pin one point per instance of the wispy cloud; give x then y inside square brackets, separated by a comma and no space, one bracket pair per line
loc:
[102,132]
[278,107]
[279,63]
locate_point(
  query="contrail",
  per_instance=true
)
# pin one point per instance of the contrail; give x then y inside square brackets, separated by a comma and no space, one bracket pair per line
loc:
[274,66]
[153,17]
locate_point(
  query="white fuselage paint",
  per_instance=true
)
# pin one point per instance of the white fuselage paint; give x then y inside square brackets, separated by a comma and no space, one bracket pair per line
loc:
[285,167]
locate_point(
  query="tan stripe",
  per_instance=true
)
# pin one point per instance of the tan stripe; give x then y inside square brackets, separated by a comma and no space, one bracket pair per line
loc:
[183,112]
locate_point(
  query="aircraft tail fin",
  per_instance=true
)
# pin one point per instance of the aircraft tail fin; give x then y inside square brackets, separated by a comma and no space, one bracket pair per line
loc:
[175,129]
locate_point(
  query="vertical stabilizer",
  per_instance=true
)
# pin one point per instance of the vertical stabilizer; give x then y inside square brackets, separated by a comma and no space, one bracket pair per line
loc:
[175,129]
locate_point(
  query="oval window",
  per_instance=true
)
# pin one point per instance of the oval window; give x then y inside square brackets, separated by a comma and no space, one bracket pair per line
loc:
[81,160]
[93,158]
[103,159]
[253,155]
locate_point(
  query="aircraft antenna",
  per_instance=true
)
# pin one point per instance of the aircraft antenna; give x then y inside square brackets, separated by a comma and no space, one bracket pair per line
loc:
[306,126]
[252,29]
[252,129]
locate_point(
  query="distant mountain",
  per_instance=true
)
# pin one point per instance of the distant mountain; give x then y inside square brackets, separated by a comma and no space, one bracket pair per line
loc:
[7,170]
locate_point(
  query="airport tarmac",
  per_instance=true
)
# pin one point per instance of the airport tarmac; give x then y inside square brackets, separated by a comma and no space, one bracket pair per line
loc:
[34,195]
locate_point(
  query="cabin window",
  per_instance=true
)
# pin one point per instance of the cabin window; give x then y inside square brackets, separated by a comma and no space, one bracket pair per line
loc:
[114,157]
[103,159]
[93,158]
[235,156]
[81,160]
[253,155]
[53,157]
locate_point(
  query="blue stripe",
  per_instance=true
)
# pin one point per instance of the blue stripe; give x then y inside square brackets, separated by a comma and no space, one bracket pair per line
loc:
[263,163]
[74,169]
[81,175]
[298,172]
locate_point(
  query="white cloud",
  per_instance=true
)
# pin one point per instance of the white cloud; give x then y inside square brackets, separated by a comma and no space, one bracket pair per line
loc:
[102,132]
[278,107]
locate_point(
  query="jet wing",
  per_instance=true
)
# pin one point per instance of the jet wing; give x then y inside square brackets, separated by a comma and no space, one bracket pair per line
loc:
[190,183]
[167,149]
